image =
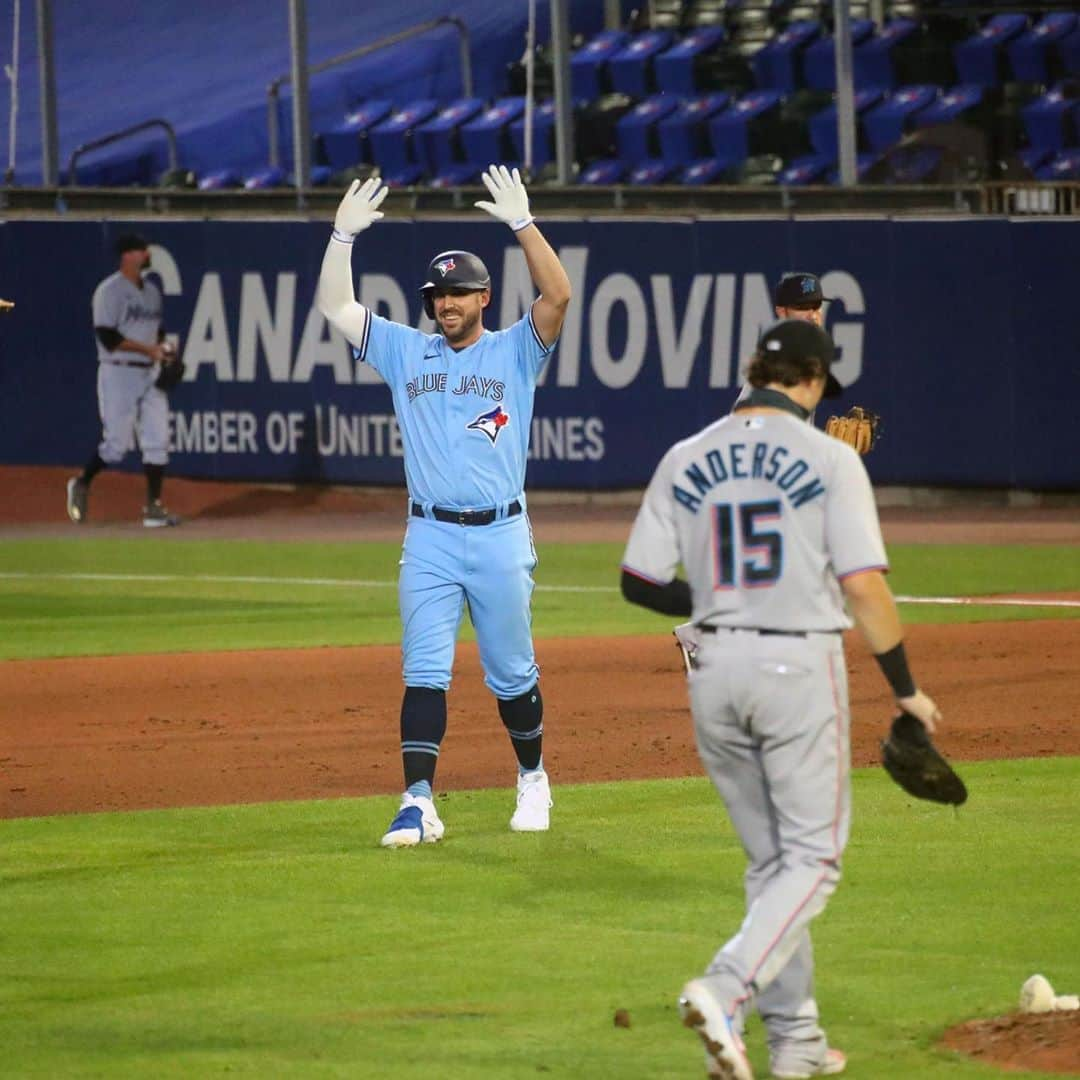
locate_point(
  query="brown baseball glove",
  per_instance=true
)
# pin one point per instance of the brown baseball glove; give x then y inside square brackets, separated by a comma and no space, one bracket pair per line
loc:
[858,427]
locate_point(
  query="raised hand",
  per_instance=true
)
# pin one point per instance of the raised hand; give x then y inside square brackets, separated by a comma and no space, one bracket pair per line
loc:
[510,200]
[359,209]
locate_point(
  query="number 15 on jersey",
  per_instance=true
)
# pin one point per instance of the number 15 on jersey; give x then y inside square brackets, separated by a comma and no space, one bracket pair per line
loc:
[748,552]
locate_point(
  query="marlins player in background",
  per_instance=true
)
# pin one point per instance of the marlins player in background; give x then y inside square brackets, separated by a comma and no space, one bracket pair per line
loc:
[798,295]
[127,313]
[776,526]
[463,400]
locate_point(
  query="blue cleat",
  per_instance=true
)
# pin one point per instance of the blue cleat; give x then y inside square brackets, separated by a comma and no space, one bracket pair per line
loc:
[416,822]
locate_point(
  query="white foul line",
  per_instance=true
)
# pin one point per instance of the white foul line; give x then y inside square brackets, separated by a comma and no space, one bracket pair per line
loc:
[360,583]
[978,601]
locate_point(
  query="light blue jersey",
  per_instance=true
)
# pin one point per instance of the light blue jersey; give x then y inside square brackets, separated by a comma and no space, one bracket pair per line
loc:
[464,415]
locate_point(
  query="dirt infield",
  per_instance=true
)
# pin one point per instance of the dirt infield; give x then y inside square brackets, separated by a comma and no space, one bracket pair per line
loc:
[134,732]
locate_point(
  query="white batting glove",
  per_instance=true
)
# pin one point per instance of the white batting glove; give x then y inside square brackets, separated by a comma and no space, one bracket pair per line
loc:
[510,199]
[359,209]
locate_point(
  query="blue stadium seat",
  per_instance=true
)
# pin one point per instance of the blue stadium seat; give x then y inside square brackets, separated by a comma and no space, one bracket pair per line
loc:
[886,123]
[320,175]
[405,176]
[822,125]
[978,58]
[1049,120]
[1065,166]
[1068,49]
[456,173]
[631,67]
[606,171]
[343,145]
[864,162]
[635,131]
[588,65]
[683,135]
[777,65]
[819,59]
[543,121]
[730,131]
[485,138]
[391,139]
[1031,157]
[435,140]
[675,67]
[222,178]
[271,177]
[1028,51]
[913,164]
[708,170]
[651,171]
[872,60]
[811,169]
[950,106]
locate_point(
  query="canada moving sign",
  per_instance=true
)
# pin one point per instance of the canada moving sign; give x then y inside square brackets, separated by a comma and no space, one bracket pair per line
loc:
[663,316]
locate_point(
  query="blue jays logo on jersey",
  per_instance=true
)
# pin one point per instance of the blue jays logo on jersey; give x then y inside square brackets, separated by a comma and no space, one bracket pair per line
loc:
[490,423]
[444,266]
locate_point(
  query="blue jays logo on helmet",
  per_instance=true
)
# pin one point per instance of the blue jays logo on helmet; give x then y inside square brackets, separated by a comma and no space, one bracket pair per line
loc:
[445,266]
[490,423]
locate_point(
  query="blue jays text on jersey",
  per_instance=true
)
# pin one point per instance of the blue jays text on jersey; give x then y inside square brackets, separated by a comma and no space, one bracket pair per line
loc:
[742,461]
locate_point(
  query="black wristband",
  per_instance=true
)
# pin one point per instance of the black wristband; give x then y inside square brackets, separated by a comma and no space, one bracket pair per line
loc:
[894,667]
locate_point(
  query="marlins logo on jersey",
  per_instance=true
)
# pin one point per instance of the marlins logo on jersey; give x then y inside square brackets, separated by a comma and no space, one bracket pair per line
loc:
[490,423]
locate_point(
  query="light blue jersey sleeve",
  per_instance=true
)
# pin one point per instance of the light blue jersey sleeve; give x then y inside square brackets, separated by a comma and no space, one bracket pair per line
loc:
[530,352]
[385,344]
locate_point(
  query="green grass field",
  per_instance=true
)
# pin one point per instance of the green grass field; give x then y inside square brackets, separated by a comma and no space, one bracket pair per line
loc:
[86,596]
[279,940]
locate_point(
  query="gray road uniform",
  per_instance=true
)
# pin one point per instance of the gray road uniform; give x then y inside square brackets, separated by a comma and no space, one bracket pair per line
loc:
[767,515]
[128,400]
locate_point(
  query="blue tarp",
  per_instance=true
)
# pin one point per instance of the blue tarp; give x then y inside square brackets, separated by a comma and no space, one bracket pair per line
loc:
[204,66]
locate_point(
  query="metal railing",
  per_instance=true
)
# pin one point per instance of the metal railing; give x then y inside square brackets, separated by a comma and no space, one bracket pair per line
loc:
[273,90]
[1031,198]
[116,136]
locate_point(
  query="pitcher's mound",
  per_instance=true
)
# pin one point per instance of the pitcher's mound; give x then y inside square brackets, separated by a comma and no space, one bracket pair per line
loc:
[1049,1042]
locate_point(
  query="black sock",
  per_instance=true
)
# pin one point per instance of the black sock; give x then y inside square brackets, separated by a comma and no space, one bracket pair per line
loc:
[155,475]
[92,468]
[523,718]
[423,725]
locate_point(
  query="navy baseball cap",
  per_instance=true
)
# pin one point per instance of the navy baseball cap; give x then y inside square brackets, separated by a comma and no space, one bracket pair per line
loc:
[130,242]
[798,290]
[796,339]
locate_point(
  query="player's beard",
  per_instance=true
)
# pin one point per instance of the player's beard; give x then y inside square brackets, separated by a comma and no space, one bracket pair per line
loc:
[466,325]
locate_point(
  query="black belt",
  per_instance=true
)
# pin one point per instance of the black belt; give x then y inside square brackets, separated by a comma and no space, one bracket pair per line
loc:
[705,628]
[131,363]
[465,517]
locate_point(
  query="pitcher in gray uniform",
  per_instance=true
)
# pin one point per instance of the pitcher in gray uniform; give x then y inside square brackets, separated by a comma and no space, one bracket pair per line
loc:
[776,525]
[127,312]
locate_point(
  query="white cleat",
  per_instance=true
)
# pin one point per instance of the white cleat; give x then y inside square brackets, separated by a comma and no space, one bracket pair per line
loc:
[835,1063]
[78,494]
[416,822]
[533,813]
[725,1055]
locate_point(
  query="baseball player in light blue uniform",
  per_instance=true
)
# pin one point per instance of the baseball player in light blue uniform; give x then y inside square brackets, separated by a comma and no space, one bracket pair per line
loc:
[128,311]
[463,400]
[775,524]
